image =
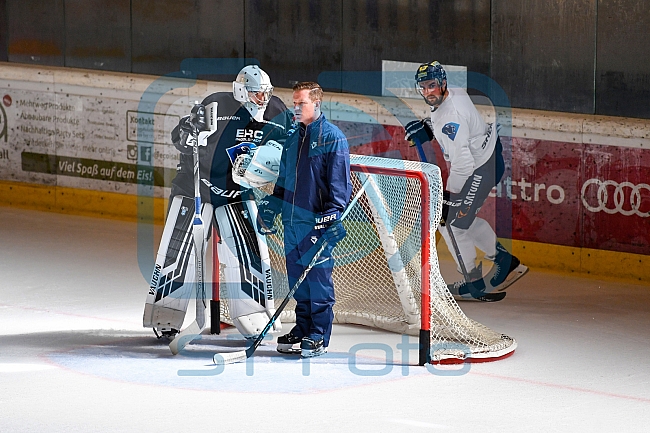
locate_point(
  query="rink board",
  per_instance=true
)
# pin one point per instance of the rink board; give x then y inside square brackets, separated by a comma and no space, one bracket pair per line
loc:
[95,143]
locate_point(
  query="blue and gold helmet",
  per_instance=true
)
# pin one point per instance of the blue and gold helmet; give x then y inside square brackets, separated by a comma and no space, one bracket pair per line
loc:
[430,71]
[434,74]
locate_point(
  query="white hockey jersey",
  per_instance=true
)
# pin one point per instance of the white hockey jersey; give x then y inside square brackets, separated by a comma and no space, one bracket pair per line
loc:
[467,142]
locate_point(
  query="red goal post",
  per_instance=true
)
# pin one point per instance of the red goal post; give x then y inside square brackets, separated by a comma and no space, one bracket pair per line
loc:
[425,194]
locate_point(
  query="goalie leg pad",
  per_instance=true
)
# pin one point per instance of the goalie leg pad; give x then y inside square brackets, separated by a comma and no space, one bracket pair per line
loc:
[247,273]
[173,275]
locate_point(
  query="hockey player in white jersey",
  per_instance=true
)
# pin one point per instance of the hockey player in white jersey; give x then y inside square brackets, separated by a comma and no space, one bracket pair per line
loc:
[473,149]
[247,127]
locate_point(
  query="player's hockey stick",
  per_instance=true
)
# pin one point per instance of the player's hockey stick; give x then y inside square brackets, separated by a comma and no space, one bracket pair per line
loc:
[476,293]
[242,355]
[194,329]
[473,291]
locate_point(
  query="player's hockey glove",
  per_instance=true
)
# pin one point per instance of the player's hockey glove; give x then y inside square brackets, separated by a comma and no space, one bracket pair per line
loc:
[450,202]
[267,210]
[418,131]
[334,230]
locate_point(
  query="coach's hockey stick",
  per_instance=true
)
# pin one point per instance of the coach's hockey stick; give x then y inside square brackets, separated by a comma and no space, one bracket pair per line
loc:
[194,330]
[473,291]
[242,355]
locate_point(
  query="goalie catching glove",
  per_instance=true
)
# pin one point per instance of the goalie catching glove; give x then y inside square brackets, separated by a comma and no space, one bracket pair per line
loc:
[418,131]
[259,167]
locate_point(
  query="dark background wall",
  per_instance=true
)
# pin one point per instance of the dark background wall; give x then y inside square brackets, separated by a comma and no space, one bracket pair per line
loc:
[580,56]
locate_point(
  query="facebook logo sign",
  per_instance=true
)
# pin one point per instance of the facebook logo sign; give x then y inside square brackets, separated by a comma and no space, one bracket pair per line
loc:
[145,153]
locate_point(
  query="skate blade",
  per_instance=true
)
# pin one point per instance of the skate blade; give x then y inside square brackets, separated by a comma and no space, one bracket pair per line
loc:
[512,278]
[487,297]
[289,350]
[313,353]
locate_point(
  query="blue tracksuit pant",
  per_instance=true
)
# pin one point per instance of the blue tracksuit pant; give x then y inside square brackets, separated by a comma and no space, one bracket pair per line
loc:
[315,296]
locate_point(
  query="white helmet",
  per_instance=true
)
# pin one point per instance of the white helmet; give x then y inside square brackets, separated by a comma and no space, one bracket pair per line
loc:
[252,79]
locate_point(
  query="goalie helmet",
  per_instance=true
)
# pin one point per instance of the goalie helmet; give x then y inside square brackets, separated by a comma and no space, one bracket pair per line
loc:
[253,88]
[428,72]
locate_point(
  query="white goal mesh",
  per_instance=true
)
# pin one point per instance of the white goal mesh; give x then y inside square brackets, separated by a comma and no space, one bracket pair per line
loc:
[386,272]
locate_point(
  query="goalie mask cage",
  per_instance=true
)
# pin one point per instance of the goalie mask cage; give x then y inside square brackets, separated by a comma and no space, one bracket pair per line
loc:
[386,272]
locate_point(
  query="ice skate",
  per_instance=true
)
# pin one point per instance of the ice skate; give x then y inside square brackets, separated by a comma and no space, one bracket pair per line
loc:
[507,270]
[168,333]
[462,292]
[289,344]
[311,348]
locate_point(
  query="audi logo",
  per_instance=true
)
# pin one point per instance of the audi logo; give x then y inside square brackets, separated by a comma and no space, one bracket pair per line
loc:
[620,199]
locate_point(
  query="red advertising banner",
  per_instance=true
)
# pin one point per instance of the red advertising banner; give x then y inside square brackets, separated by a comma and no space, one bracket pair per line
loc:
[570,194]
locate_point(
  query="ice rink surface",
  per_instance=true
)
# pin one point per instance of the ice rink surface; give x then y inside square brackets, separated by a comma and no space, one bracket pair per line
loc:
[75,358]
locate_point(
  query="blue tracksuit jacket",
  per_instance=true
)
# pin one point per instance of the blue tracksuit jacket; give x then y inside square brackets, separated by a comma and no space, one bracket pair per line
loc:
[314,181]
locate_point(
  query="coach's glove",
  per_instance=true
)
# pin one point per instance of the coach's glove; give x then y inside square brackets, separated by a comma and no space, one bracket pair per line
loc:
[450,202]
[418,131]
[331,221]
[334,233]
[268,208]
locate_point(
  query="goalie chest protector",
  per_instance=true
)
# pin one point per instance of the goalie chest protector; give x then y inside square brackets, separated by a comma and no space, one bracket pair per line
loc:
[234,126]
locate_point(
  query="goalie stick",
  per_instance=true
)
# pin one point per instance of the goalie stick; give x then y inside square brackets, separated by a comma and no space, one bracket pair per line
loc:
[242,355]
[195,328]
[473,291]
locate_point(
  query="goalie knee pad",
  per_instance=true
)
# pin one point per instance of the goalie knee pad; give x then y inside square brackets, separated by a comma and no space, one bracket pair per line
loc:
[247,273]
[174,270]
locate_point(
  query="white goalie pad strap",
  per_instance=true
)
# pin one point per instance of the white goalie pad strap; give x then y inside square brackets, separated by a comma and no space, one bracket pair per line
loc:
[173,274]
[247,273]
[259,167]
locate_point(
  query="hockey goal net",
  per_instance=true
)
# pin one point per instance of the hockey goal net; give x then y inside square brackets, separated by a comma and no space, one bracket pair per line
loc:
[386,272]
